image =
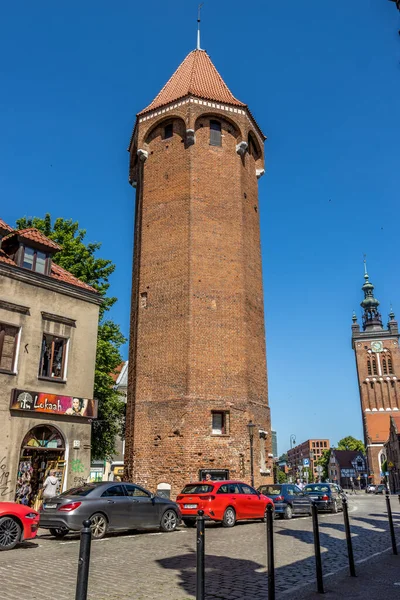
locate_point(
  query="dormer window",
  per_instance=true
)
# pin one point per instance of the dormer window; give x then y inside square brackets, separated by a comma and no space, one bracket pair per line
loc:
[34,260]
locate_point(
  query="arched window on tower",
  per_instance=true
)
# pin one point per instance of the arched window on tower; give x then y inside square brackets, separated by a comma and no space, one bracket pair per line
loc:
[215,133]
[390,364]
[384,365]
[369,366]
[374,366]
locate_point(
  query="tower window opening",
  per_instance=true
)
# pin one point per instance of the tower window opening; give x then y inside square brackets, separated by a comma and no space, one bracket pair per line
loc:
[372,385]
[219,423]
[384,366]
[215,133]
[168,131]
[390,365]
[374,367]
[143,299]
[369,367]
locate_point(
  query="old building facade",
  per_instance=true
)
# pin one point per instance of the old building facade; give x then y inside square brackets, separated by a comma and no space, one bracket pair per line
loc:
[197,361]
[304,456]
[378,366]
[48,334]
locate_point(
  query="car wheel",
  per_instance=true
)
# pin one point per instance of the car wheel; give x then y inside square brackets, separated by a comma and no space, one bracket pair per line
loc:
[169,521]
[229,519]
[288,514]
[10,533]
[335,507]
[189,522]
[98,526]
[59,532]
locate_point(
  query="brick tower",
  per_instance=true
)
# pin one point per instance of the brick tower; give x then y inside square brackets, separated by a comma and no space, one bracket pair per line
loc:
[197,361]
[378,367]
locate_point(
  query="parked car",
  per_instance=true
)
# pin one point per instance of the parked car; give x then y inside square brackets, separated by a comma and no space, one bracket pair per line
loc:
[288,499]
[223,501]
[109,506]
[17,524]
[370,489]
[326,496]
[380,489]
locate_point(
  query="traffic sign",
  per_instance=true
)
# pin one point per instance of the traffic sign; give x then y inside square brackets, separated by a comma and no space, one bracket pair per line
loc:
[390,464]
[306,462]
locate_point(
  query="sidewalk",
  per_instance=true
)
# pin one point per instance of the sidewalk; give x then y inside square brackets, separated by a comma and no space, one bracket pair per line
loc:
[378,577]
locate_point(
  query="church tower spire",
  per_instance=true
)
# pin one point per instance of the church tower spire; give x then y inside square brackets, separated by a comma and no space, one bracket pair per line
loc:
[372,319]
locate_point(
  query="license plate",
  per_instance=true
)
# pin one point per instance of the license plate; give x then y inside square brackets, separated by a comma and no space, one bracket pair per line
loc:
[190,506]
[315,497]
[50,505]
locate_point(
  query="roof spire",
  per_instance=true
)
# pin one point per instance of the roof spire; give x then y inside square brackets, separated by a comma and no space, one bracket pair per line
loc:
[198,25]
[372,319]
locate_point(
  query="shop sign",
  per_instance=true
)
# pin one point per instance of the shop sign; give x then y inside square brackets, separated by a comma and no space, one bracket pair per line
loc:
[41,402]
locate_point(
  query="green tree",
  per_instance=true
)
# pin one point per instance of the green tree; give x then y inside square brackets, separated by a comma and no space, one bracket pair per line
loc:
[323,462]
[79,258]
[282,478]
[351,443]
[283,457]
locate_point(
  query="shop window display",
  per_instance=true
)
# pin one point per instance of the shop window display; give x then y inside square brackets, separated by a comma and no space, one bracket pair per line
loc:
[42,450]
[52,359]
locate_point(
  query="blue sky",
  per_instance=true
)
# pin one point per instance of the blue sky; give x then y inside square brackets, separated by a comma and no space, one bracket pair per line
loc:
[322,79]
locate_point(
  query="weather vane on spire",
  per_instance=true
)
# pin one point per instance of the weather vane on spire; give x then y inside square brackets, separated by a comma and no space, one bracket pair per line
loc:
[198,25]
[365,264]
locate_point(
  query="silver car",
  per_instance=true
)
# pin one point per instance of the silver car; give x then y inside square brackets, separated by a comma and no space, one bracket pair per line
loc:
[109,506]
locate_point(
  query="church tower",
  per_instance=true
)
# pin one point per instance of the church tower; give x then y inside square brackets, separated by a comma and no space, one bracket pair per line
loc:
[378,367]
[197,359]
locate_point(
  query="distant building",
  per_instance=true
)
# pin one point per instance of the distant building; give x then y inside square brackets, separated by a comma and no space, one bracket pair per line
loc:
[305,455]
[392,448]
[377,356]
[274,443]
[347,464]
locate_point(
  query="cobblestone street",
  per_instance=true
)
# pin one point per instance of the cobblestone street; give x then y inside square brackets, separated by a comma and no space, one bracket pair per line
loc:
[162,566]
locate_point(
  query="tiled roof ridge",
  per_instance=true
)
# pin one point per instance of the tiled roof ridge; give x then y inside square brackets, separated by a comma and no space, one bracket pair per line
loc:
[40,237]
[210,84]
[5,225]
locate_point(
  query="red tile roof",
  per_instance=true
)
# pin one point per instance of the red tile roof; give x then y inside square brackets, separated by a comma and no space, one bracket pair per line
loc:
[34,235]
[6,259]
[57,272]
[117,371]
[4,226]
[61,274]
[195,76]
[378,424]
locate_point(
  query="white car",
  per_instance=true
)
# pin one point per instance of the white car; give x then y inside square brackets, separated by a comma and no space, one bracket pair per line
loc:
[370,489]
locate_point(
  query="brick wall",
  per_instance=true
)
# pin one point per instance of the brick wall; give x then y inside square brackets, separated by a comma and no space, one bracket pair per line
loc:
[197,325]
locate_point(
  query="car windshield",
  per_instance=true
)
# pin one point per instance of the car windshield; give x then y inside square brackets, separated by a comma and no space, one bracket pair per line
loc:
[197,488]
[317,488]
[83,490]
[270,490]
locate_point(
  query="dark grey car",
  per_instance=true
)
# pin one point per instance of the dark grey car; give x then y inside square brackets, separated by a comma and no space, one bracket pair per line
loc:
[109,506]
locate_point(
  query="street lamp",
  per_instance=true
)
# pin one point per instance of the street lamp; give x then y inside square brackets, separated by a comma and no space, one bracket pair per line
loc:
[292,440]
[250,427]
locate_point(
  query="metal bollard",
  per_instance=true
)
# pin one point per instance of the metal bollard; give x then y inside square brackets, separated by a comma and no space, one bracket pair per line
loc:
[390,517]
[200,583]
[270,552]
[348,538]
[84,561]
[317,549]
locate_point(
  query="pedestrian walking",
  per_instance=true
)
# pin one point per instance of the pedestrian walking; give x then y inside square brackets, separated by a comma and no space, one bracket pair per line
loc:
[352,486]
[50,486]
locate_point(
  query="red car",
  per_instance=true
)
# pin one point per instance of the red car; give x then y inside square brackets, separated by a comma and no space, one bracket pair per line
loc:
[224,501]
[17,523]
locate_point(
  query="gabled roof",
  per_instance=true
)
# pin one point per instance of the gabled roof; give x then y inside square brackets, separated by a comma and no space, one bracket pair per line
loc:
[345,457]
[4,227]
[378,425]
[33,235]
[195,76]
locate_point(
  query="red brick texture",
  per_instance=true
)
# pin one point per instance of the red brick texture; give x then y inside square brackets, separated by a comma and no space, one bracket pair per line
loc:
[197,322]
[379,391]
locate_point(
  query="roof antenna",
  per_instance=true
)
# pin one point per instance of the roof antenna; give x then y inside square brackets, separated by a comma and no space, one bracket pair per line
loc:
[198,26]
[365,265]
